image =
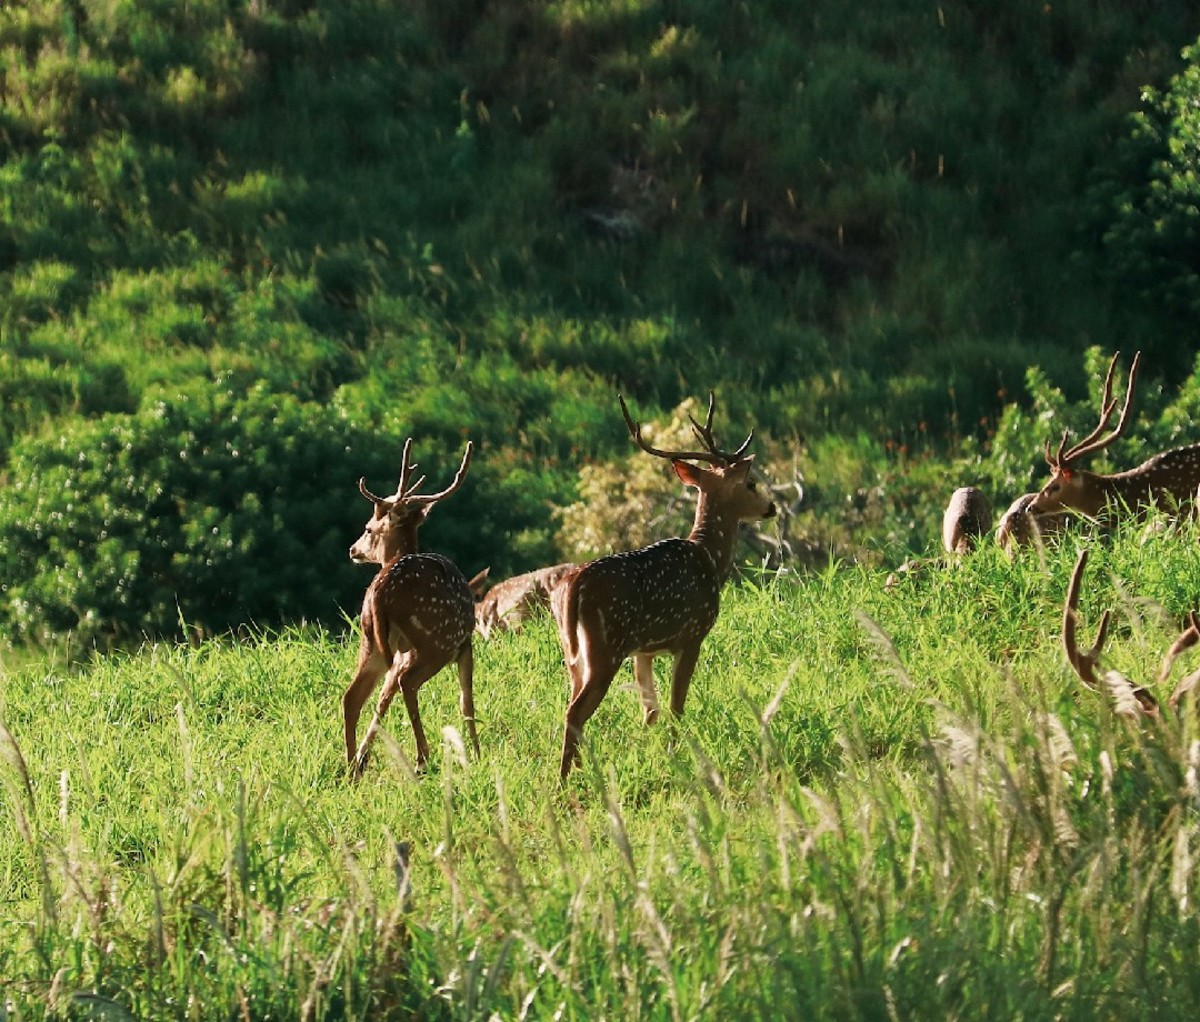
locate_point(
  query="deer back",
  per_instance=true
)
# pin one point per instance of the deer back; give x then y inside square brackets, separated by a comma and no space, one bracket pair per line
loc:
[654,599]
[510,603]
[420,602]
[1170,478]
[967,518]
[1020,526]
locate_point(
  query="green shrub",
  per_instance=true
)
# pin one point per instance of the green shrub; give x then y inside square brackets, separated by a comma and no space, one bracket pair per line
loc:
[210,509]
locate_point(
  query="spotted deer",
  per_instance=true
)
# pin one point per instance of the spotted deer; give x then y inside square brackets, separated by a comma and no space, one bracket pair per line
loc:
[418,614]
[509,604]
[663,598]
[1129,698]
[1019,526]
[1169,478]
[968,517]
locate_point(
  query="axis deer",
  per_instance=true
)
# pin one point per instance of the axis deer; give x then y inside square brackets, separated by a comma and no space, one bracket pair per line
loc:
[968,517]
[418,614]
[509,604]
[1173,475]
[1129,698]
[1019,526]
[663,598]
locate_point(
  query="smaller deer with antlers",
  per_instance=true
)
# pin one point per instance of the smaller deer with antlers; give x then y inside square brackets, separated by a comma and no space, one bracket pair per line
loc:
[509,604]
[1169,478]
[1129,698]
[418,614]
[663,598]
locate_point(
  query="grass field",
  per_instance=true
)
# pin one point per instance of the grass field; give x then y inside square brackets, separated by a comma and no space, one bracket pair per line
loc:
[881,804]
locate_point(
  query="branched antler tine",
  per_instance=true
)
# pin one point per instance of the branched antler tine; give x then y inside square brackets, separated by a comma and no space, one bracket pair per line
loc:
[635,431]
[742,450]
[1187,639]
[1057,460]
[1083,664]
[1095,441]
[406,470]
[454,485]
[704,433]
[362,488]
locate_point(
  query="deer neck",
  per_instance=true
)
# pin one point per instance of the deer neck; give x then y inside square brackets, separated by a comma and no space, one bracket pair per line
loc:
[715,532]
[401,542]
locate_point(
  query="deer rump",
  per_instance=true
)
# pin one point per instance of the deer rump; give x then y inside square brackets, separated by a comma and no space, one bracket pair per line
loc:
[608,600]
[449,614]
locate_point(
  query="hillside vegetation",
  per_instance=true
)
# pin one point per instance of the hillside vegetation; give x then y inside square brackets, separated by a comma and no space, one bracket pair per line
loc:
[247,248]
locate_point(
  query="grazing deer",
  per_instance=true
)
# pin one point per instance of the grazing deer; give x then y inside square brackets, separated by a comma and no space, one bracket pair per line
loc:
[509,604]
[968,517]
[1129,698]
[418,614]
[1019,525]
[1173,475]
[663,598]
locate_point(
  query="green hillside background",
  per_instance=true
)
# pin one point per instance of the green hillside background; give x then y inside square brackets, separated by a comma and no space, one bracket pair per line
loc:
[246,249]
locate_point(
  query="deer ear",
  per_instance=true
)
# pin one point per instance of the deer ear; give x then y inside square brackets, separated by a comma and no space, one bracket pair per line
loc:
[688,473]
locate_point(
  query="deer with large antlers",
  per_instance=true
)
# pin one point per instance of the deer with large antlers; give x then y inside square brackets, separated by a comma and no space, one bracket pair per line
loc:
[663,598]
[1129,698]
[1168,478]
[418,614]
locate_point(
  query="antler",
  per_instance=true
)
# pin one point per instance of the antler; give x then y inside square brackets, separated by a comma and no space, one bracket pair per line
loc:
[410,496]
[1189,637]
[712,454]
[1083,663]
[406,492]
[1095,441]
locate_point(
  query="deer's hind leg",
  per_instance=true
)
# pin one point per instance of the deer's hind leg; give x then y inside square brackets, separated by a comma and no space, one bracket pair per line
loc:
[371,665]
[406,676]
[595,679]
[466,690]
[643,671]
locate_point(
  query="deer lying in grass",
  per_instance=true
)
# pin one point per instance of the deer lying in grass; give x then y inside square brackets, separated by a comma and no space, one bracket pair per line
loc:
[663,598]
[1019,526]
[418,614]
[1129,698]
[1168,479]
[968,518]
[509,604]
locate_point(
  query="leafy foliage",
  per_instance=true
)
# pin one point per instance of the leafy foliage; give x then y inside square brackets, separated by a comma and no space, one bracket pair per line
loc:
[482,220]
[207,510]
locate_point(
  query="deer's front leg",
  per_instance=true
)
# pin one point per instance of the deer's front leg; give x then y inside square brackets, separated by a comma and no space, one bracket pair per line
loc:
[681,677]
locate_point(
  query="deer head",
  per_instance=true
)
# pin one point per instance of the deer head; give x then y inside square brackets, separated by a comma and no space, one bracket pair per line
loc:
[392,529]
[1070,487]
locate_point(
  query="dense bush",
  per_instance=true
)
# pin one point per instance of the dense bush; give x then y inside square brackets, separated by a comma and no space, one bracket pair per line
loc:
[206,510]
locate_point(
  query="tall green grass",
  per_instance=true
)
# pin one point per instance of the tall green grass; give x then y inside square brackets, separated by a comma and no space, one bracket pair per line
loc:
[881,803]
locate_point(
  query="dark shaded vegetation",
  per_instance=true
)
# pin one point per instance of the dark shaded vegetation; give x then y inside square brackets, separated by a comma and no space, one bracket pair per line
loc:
[305,231]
